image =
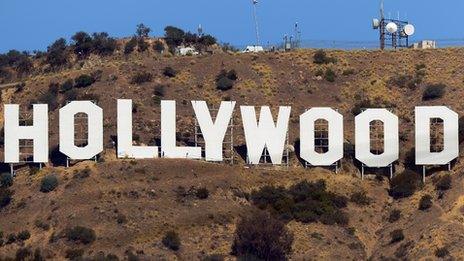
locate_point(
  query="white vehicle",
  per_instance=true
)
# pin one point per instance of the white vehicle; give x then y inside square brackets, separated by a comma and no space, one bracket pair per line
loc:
[187,51]
[253,49]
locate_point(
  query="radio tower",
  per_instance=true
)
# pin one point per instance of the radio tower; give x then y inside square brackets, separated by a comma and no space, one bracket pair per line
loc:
[382,26]
[255,17]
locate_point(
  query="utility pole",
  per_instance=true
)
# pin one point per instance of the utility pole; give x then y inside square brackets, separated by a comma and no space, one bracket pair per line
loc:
[255,17]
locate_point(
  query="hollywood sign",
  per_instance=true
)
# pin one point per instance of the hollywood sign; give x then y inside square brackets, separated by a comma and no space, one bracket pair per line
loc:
[265,132]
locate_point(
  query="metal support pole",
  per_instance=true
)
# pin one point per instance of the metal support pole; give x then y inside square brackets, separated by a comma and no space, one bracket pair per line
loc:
[423,173]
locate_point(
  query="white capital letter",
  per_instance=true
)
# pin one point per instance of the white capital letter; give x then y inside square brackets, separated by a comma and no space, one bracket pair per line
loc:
[335,137]
[38,132]
[125,147]
[450,137]
[168,135]
[95,130]
[213,133]
[265,134]
[363,141]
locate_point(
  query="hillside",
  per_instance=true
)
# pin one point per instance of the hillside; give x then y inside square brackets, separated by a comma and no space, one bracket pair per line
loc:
[130,205]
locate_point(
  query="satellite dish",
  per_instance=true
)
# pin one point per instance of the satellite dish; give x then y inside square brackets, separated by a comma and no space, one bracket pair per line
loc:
[375,23]
[409,29]
[392,27]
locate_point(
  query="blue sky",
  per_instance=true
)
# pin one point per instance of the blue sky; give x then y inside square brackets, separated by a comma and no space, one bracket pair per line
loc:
[34,24]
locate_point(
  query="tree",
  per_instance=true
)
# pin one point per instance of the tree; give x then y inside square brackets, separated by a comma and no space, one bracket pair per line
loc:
[174,36]
[262,237]
[83,44]
[158,47]
[103,44]
[56,53]
[130,46]
[208,40]
[142,30]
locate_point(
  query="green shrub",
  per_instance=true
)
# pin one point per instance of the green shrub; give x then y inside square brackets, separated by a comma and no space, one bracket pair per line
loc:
[224,84]
[394,216]
[360,198]
[442,252]
[6,180]
[142,30]
[23,235]
[103,44]
[348,72]
[142,44]
[67,85]
[396,236]
[158,46]
[261,237]
[23,254]
[425,202]
[130,45]
[169,72]
[202,193]
[80,234]
[171,240]
[404,184]
[56,53]
[320,57]
[83,81]
[173,36]
[225,80]
[141,77]
[48,183]
[5,197]
[82,44]
[74,254]
[10,239]
[159,90]
[305,202]
[444,183]
[330,75]
[432,92]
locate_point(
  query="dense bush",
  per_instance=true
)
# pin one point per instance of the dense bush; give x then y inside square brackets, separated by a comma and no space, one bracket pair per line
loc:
[169,72]
[443,183]
[130,45]
[142,44]
[404,184]
[171,240]
[103,44]
[5,197]
[442,252]
[67,85]
[224,84]
[434,91]
[159,90]
[48,183]
[83,81]
[397,236]
[330,75]
[23,235]
[305,202]
[80,234]
[202,193]
[360,198]
[20,61]
[425,202]
[261,237]
[6,180]
[394,216]
[82,44]
[141,77]
[74,254]
[320,57]
[57,54]
[225,80]
[158,46]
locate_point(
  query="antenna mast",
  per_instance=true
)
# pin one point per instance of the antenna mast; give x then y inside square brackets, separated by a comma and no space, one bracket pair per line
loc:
[382,26]
[255,17]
